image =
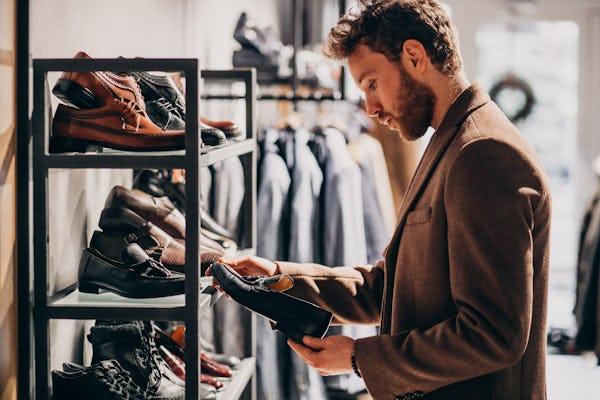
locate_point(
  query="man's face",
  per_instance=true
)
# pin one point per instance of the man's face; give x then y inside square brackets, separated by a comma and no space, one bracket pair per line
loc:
[391,94]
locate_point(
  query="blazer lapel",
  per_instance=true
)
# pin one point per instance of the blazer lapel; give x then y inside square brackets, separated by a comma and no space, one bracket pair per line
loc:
[469,100]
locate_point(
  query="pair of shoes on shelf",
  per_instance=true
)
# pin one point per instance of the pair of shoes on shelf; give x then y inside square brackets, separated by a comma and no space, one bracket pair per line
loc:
[216,364]
[178,366]
[133,216]
[158,183]
[162,212]
[105,109]
[291,316]
[105,380]
[132,344]
[122,226]
[166,106]
[137,275]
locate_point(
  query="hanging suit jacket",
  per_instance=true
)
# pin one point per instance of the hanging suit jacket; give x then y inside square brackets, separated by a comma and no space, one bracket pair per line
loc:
[461,293]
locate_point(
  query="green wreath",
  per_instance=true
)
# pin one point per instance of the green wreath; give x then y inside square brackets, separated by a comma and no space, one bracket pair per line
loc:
[511,82]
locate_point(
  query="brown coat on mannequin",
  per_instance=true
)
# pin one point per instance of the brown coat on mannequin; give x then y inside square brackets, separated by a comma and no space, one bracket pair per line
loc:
[461,296]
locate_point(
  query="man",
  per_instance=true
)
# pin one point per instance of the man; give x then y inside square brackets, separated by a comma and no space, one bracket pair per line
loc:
[461,293]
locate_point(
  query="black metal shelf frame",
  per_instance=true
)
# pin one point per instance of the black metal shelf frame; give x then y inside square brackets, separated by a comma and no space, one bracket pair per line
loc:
[192,159]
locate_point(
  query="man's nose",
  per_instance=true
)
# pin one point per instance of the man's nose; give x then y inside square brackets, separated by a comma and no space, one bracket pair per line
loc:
[373,107]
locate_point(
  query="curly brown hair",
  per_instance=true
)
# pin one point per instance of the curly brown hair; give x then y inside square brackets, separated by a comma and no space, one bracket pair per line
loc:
[384,26]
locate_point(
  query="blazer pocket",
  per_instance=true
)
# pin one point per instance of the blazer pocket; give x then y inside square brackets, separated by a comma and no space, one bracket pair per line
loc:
[420,216]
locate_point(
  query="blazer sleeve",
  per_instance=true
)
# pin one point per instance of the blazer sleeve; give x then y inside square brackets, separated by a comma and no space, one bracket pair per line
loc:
[492,197]
[352,294]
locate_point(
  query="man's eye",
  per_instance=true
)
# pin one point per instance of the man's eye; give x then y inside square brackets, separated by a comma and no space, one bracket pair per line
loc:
[372,85]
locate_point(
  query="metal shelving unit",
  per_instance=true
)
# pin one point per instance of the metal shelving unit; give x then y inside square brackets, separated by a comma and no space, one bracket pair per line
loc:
[68,303]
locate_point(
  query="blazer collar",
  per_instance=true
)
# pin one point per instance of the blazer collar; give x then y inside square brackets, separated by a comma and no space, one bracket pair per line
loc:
[468,101]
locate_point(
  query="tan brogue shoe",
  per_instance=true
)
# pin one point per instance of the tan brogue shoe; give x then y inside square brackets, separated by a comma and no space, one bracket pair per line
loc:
[120,124]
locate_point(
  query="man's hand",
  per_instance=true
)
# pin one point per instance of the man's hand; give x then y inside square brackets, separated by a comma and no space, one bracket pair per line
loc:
[248,265]
[251,265]
[329,356]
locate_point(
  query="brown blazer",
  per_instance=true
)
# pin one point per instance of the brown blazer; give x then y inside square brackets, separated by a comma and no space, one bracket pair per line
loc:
[462,292]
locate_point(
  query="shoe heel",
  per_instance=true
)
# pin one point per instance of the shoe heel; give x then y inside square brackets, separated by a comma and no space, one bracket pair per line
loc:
[75,95]
[85,287]
[71,145]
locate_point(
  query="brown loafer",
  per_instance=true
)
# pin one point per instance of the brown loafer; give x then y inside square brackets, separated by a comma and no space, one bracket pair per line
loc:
[120,125]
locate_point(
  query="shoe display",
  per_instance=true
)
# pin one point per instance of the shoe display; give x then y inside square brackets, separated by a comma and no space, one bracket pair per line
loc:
[292,316]
[214,368]
[158,210]
[120,124]
[130,343]
[229,128]
[211,136]
[251,36]
[122,226]
[94,89]
[137,276]
[161,212]
[211,380]
[158,183]
[105,380]
[156,87]
[175,363]
[164,115]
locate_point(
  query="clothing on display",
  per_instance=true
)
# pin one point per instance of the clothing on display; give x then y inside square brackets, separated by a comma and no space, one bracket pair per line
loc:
[309,211]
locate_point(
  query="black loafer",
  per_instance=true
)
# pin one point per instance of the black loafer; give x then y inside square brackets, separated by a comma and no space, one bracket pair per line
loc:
[291,316]
[138,276]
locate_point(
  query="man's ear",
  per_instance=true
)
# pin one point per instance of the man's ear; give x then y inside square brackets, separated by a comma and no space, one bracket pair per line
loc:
[415,55]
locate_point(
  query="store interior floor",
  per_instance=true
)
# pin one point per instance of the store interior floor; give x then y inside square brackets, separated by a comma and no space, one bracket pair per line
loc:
[568,376]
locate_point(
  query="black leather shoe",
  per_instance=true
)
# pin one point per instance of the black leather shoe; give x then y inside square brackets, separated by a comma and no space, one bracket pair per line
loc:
[158,183]
[250,36]
[291,316]
[211,136]
[164,114]
[155,87]
[131,344]
[106,380]
[138,276]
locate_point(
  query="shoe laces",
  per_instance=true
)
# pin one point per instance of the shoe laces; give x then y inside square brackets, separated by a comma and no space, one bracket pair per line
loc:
[120,383]
[150,343]
[167,105]
[133,111]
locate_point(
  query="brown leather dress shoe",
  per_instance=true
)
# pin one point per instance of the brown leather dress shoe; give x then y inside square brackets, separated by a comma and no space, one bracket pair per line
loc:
[93,89]
[121,125]
[229,128]
[158,210]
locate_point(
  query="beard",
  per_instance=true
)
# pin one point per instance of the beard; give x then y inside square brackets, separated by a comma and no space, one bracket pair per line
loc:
[413,111]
